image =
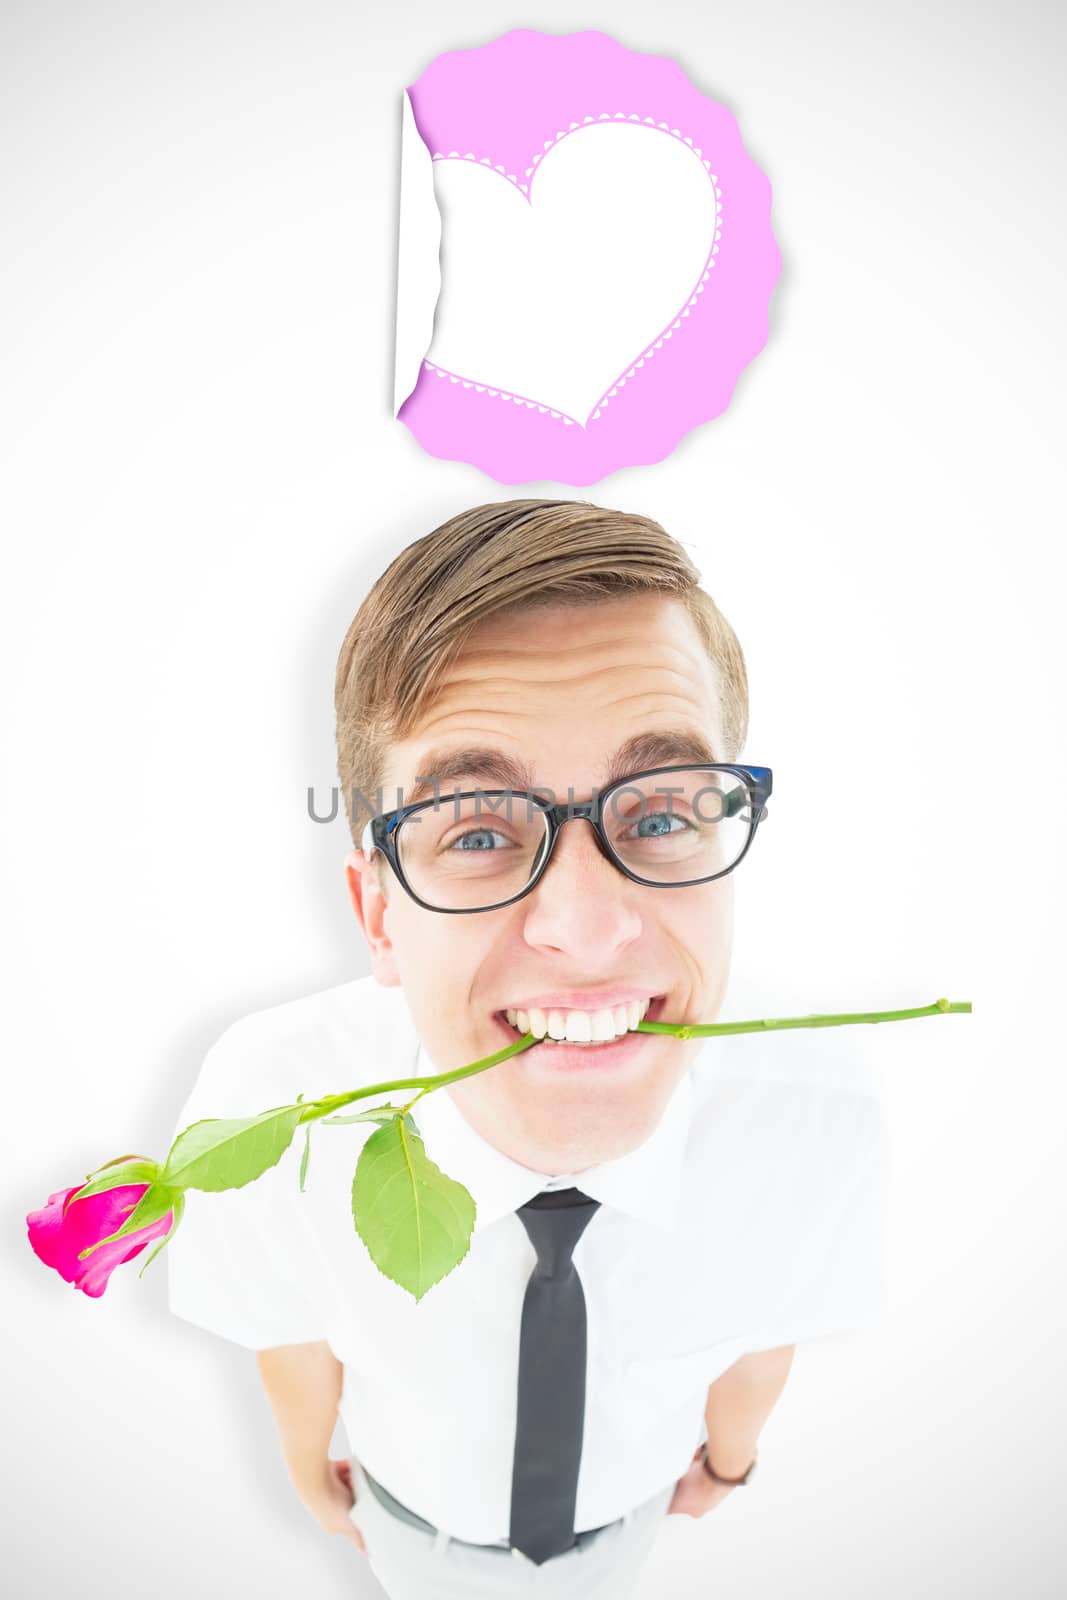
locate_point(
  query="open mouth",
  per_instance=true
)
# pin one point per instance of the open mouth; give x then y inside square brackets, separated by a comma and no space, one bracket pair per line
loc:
[590,1030]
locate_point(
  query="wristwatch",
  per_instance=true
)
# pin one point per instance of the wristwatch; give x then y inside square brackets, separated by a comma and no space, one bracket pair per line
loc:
[716,1478]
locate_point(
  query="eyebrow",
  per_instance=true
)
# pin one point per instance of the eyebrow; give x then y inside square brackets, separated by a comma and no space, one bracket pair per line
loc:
[666,747]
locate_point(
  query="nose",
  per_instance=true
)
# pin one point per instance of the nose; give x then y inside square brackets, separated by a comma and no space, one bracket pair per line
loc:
[582,901]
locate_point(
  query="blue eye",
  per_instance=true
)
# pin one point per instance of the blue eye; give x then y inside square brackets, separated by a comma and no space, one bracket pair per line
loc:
[475,833]
[658,817]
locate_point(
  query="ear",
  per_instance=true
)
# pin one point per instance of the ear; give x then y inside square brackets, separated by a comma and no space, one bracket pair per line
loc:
[370,905]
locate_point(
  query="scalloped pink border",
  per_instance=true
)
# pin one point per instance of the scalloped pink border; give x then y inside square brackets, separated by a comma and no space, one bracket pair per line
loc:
[502,96]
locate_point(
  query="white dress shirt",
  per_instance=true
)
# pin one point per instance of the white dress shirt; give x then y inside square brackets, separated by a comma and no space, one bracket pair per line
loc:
[752,1217]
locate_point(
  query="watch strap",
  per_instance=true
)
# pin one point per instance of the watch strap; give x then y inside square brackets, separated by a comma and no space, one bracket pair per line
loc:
[717,1477]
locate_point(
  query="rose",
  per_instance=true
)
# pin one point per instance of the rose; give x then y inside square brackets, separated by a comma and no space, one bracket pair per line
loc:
[66,1229]
[147,1199]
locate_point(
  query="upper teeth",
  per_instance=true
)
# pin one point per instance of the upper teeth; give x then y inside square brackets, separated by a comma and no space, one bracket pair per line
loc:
[580,1027]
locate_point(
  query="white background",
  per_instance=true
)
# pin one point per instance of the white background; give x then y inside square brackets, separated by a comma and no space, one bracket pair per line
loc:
[202,479]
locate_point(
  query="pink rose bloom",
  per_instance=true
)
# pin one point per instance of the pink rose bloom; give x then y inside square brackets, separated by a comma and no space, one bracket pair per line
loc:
[58,1231]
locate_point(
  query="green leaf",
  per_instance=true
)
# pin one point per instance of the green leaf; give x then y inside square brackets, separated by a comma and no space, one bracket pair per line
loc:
[133,1169]
[306,1156]
[414,1220]
[153,1204]
[179,1207]
[228,1152]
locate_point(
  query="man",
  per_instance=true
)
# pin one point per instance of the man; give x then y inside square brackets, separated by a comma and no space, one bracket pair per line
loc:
[539,720]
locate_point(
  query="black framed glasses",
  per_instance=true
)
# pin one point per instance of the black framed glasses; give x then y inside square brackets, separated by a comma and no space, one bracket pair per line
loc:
[479,849]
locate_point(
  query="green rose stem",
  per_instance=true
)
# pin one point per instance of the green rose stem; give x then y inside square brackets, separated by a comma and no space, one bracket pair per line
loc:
[319,1108]
[680,1030]
[415,1221]
[705,1030]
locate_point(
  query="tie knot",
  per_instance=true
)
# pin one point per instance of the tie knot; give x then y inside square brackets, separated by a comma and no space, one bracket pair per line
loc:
[555,1220]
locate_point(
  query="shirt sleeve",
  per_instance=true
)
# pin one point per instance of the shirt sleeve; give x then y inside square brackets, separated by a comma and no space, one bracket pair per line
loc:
[833,1279]
[238,1264]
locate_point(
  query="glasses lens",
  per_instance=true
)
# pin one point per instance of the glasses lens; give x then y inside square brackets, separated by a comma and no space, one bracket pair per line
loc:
[469,852]
[674,827]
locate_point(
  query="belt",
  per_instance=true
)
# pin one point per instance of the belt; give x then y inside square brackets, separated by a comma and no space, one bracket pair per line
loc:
[405,1513]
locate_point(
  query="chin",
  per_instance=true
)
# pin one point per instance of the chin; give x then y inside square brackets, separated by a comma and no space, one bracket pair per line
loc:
[597,1129]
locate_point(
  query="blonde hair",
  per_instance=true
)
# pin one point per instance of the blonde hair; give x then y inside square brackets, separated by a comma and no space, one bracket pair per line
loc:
[507,555]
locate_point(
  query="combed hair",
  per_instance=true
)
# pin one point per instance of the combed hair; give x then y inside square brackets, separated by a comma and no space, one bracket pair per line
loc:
[505,556]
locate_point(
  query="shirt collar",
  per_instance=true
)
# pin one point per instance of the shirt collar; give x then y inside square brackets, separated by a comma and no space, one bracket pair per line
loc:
[645,1183]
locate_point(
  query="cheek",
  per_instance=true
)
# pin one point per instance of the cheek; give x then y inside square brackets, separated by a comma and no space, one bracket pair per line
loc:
[439,959]
[724,905]
[705,925]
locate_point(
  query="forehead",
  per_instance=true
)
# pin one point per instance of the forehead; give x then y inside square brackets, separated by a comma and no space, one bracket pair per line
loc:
[568,694]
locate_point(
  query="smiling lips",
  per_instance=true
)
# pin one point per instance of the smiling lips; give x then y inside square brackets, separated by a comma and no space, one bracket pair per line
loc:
[600,1026]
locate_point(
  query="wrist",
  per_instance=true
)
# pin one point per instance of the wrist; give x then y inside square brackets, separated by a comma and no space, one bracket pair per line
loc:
[733,1469]
[310,1479]
[730,1445]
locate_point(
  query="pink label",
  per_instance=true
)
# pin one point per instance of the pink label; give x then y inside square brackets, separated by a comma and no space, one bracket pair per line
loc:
[607,257]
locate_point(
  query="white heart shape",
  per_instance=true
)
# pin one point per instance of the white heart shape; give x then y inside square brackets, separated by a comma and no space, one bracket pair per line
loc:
[553,296]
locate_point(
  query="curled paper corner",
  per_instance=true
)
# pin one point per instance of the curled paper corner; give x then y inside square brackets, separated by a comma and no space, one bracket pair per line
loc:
[418,268]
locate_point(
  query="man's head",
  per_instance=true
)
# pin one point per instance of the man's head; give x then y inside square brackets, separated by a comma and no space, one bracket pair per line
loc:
[553,633]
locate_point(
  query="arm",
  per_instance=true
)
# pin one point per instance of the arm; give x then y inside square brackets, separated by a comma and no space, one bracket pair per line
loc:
[739,1403]
[303,1384]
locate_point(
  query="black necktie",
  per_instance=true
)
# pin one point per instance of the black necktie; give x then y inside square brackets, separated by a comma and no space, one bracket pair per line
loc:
[551,1397]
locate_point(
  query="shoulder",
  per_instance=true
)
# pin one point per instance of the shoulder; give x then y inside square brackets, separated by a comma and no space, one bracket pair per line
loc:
[795,1109]
[335,1039]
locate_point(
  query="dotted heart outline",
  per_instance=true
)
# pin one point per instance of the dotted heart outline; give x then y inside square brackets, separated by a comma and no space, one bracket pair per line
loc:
[671,327]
